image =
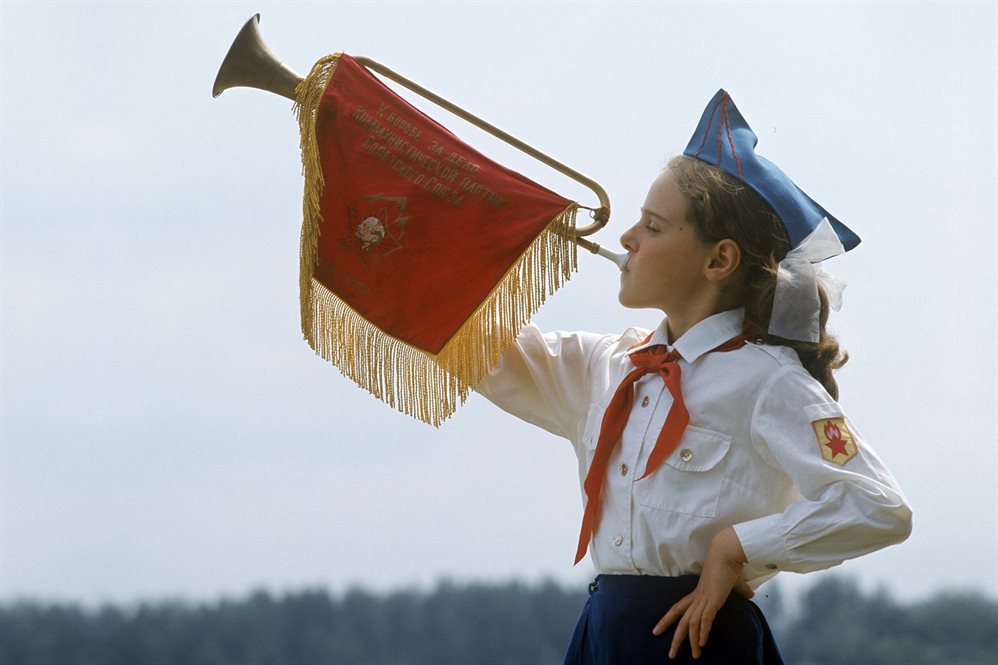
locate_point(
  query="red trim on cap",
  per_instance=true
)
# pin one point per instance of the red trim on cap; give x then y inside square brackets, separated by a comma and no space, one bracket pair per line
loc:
[731,142]
[706,129]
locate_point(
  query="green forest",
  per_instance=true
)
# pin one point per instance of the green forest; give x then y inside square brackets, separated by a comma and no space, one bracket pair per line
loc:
[832,623]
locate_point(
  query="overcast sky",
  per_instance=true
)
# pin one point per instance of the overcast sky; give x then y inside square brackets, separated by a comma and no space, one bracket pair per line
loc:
[167,432]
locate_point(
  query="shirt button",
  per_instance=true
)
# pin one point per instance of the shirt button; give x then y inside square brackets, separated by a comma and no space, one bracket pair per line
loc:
[644,402]
[623,469]
[686,454]
[618,541]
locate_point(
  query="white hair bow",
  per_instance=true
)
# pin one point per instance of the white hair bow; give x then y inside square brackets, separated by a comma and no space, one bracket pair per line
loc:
[796,305]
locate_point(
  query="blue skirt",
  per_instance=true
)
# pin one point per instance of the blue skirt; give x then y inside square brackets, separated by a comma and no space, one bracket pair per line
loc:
[616,623]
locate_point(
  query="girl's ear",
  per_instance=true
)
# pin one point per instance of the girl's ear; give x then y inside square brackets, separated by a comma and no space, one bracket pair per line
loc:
[724,260]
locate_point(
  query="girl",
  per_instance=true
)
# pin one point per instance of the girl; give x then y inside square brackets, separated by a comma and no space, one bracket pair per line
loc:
[712,452]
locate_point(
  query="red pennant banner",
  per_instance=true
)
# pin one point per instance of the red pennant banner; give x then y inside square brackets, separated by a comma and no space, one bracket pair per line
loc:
[421,257]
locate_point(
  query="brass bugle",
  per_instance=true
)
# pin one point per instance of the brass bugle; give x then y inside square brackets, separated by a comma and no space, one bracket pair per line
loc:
[250,63]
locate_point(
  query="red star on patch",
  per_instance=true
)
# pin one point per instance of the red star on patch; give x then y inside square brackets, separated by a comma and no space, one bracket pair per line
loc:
[835,442]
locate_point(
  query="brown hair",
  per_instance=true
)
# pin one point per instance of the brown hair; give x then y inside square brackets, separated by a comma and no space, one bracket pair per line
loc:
[722,207]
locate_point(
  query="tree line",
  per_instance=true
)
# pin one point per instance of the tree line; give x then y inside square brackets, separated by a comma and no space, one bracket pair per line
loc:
[832,623]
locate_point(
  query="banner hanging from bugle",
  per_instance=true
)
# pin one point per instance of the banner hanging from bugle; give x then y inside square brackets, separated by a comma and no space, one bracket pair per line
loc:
[420,257]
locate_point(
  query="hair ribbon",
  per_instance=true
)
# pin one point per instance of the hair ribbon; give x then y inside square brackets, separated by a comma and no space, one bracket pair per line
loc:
[796,305]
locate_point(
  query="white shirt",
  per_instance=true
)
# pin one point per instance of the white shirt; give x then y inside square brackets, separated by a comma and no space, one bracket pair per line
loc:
[750,457]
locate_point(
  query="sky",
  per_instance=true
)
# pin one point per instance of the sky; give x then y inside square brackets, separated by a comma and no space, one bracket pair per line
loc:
[165,432]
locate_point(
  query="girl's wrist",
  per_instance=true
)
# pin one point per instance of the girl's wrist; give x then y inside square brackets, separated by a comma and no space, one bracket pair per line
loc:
[730,548]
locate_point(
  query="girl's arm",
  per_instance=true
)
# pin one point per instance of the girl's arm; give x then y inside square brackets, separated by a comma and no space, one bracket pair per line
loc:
[851,503]
[545,378]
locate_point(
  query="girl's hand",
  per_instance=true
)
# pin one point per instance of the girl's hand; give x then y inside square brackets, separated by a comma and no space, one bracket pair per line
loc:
[722,573]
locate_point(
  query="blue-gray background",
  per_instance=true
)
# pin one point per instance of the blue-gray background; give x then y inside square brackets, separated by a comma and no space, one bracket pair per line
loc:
[166,431]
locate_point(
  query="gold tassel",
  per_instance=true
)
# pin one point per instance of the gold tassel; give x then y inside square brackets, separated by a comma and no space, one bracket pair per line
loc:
[426,386]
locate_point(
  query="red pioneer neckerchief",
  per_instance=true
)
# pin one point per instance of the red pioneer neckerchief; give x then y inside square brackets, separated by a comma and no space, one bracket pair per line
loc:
[651,359]
[421,258]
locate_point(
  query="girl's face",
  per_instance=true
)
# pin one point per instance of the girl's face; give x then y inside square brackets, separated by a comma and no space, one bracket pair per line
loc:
[667,264]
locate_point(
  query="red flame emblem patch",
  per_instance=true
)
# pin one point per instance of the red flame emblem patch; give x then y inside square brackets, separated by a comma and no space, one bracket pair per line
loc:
[834,440]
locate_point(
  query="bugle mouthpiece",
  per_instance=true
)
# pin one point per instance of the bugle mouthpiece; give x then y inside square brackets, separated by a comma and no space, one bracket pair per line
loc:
[619,259]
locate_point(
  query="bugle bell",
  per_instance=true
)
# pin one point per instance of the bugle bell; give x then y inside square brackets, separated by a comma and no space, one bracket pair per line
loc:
[250,64]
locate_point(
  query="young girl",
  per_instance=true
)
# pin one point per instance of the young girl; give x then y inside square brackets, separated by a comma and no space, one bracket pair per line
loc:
[711,450]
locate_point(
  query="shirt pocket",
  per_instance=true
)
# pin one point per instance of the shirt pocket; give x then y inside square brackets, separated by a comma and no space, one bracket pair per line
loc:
[689,481]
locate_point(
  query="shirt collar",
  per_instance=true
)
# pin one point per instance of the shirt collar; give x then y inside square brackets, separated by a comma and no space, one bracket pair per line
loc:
[702,338]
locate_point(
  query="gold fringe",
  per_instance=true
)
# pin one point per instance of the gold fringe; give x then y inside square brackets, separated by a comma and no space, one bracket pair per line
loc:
[307,96]
[426,386]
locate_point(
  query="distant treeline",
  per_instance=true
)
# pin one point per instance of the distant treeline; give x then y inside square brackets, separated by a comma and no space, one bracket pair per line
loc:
[833,623]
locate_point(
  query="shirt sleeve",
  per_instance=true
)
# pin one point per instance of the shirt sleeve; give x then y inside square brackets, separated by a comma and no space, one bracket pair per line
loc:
[544,378]
[851,504]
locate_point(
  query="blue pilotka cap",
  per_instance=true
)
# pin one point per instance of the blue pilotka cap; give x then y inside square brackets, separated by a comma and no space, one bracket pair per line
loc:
[724,139]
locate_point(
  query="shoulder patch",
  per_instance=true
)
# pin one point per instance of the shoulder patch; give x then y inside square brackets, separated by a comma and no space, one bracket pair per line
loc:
[834,440]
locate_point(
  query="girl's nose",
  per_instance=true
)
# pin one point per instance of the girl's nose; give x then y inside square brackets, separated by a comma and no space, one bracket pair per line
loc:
[627,239]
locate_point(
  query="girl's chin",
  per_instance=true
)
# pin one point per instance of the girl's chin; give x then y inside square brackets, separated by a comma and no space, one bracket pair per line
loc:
[627,301]
[630,302]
